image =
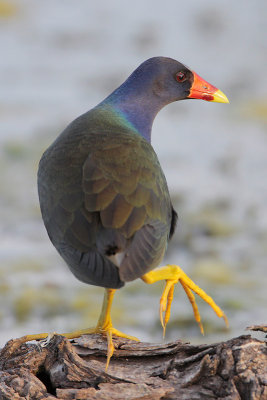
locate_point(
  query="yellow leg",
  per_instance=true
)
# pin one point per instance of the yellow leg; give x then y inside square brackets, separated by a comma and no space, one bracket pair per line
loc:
[173,274]
[104,326]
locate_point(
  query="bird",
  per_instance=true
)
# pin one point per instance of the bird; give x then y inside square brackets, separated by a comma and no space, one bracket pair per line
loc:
[104,198]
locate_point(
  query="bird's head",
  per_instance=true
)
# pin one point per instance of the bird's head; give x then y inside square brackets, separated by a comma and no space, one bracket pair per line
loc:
[171,81]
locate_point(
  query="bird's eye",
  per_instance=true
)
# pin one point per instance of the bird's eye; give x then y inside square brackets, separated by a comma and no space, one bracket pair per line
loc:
[181,76]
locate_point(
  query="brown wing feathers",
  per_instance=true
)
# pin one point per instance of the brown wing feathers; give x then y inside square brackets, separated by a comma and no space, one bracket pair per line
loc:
[124,190]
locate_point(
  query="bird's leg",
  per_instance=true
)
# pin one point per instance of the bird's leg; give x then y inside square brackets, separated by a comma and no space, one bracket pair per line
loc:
[104,326]
[173,274]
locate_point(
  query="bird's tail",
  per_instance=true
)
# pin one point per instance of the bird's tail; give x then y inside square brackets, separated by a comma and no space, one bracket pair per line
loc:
[91,267]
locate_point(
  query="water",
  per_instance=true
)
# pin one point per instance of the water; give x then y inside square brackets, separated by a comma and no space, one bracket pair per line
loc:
[57,61]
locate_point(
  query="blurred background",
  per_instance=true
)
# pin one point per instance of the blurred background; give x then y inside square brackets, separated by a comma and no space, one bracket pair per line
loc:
[59,59]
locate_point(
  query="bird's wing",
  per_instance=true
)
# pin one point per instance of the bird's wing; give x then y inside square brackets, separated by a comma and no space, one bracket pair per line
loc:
[124,183]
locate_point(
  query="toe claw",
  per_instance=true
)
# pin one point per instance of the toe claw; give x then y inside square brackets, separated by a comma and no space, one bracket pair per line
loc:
[201,328]
[45,342]
[226,321]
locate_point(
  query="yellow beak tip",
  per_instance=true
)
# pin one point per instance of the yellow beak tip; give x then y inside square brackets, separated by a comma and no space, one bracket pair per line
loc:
[219,97]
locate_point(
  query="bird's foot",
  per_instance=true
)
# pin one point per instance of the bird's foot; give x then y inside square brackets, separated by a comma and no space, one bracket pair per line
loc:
[106,330]
[174,274]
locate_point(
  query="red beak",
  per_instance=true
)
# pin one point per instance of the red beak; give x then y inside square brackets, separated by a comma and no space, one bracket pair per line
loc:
[203,90]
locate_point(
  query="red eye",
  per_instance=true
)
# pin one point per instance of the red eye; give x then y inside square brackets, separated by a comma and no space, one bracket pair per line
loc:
[181,76]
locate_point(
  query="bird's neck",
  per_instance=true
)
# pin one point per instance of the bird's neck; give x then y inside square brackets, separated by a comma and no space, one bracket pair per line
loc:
[134,104]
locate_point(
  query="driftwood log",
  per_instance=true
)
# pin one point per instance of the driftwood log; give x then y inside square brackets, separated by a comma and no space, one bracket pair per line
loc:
[60,369]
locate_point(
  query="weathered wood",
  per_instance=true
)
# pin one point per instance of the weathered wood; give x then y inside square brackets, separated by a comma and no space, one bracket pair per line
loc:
[58,369]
